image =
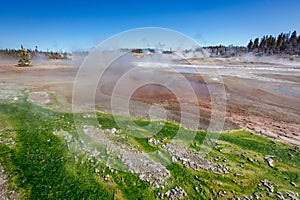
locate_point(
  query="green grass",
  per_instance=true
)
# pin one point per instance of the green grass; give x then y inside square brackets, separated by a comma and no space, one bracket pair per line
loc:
[41,165]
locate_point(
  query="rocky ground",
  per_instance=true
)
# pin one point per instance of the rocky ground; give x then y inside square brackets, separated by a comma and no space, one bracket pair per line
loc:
[240,165]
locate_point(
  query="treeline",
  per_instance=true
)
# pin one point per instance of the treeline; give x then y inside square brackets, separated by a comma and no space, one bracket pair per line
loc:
[284,43]
[56,55]
[15,53]
[226,51]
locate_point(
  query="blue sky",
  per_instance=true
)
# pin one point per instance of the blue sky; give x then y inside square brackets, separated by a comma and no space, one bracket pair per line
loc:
[81,25]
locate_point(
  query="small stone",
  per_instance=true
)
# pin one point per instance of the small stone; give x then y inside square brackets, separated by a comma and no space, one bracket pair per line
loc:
[155,185]
[269,185]
[238,174]
[174,159]
[293,184]
[269,160]
[280,196]
[106,177]
[113,130]
[292,195]
[270,194]
[256,196]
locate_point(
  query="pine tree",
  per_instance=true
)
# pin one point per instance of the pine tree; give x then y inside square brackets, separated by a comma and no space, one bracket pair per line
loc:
[263,44]
[298,44]
[24,57]
[285,41]
[293,43]
[250,46]
[255,44]
[279,42]
[271,44]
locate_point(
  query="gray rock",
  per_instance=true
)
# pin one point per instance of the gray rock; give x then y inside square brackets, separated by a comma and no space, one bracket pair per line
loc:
[238,174]
[280,196]
[268,185]
[256,196]
[106,177]
[174,159]
[176,193]
[269,160]
[155,185]
[293,184]
[292,195]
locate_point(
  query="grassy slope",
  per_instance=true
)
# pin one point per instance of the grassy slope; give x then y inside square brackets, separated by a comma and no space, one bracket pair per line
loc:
[41,166]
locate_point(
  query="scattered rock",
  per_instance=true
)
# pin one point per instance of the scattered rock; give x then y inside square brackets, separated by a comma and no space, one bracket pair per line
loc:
[222,193]
[280,196]
[268,185]
[292,195]
[176,193]
[3,184]
[106,177]
[159,195]
[153,141]
[193,160]
[174,159]
[41,98]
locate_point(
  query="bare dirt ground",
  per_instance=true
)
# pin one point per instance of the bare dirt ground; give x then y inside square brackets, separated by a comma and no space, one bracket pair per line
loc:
[262,96]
